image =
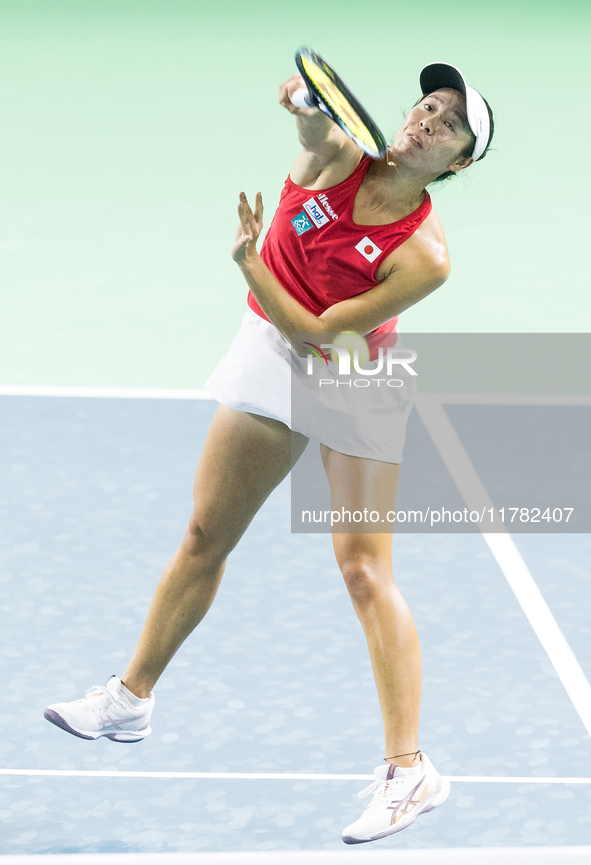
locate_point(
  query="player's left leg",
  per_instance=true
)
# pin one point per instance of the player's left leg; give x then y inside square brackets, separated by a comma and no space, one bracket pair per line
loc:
[365,560]
[407,785]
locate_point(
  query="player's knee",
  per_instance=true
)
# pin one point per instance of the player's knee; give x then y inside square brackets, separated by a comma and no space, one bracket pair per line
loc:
[197,542]
[194,537]
[363,578]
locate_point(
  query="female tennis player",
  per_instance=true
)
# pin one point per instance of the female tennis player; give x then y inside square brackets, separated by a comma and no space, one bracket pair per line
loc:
[354,242]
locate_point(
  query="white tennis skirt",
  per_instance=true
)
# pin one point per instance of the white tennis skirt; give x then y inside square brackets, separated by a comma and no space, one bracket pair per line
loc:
[352,414]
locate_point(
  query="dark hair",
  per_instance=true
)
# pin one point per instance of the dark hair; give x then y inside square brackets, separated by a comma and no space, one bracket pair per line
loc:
[469,148]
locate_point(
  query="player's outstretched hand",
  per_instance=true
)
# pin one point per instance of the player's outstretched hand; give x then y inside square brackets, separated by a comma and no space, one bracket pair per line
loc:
[247,233]
[287,89]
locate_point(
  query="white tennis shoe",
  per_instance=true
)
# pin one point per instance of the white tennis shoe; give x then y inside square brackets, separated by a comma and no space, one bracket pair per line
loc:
[104,711]
[398,800]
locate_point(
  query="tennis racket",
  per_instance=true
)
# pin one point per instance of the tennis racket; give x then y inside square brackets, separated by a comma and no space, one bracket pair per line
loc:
[326,91]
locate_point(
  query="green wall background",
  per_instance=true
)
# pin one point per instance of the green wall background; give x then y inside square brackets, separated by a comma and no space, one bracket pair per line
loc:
[127,130]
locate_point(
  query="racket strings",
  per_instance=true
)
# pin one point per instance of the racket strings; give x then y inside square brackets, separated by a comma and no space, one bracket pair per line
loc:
[337,104]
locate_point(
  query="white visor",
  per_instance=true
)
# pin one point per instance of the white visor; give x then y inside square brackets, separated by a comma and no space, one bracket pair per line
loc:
[437,75]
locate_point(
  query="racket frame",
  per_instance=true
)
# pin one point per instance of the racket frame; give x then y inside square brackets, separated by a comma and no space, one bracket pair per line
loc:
[318,99]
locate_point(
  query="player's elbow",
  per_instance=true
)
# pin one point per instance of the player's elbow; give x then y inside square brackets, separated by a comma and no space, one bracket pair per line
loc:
[442,267]
[439,272]
[434,275]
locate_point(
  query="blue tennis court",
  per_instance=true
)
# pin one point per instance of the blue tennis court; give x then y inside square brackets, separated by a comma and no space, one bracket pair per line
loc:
[266,722]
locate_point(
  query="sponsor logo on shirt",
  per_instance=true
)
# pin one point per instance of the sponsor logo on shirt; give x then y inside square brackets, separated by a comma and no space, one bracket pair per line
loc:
[301,223]
[313,210]
[368,249]
[324,202]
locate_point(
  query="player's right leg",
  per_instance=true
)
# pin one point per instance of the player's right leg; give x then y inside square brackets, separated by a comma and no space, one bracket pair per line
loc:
[244,458]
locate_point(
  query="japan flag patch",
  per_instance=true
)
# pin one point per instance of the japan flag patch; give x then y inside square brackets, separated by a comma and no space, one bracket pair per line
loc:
[368,249]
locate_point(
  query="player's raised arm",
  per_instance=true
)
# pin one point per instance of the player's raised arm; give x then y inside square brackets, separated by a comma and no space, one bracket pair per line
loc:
[316,131]
[323,142]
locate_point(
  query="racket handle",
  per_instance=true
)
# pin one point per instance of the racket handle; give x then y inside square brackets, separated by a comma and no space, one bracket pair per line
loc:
[301,98]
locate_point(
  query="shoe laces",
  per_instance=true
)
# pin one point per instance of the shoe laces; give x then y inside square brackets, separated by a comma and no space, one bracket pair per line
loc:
[367,791]
[379,788]
[99,691]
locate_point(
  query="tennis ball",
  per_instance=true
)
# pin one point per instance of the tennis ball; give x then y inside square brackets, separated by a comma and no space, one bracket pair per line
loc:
[351,341]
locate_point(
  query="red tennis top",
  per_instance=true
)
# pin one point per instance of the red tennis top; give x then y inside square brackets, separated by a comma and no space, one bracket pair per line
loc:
[320,256]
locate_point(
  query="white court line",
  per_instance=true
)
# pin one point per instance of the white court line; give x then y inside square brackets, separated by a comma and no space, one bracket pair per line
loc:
[396,854]
[279,776]
[105,392]
[511,399]
[508,557]
[190,393]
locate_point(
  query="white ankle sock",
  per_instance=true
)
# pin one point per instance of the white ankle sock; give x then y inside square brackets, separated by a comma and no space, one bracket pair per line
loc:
[415,770]
[131,698]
